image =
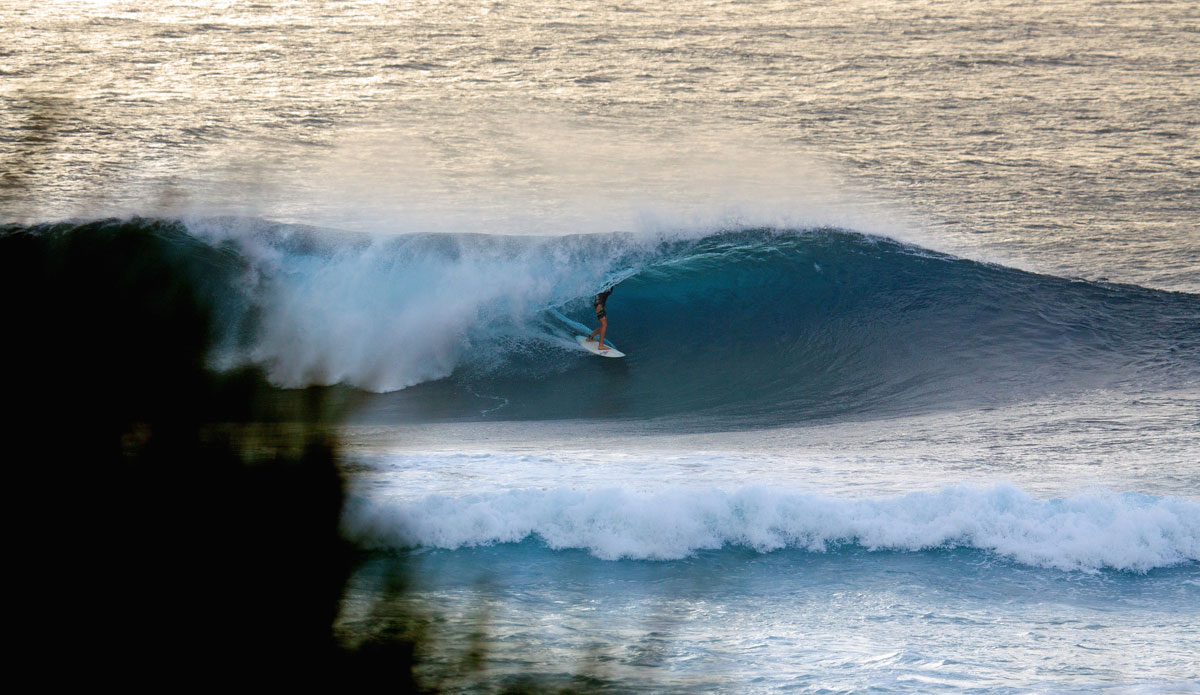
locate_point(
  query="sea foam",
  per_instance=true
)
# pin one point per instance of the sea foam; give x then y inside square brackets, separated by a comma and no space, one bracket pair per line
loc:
[1089,532]
[815,322]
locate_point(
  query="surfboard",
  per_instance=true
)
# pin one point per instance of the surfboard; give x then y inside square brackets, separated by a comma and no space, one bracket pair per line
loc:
[594,347]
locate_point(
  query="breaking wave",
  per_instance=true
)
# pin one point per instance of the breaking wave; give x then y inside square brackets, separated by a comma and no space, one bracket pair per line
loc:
[1089,532]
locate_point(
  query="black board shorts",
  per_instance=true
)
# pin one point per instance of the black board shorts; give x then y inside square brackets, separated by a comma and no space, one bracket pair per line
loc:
[598,302]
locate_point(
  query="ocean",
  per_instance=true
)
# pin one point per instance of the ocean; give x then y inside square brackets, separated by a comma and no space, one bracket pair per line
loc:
[909,291]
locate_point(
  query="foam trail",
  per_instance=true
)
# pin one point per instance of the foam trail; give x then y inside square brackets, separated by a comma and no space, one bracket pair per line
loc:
[1089,532]
[576,326]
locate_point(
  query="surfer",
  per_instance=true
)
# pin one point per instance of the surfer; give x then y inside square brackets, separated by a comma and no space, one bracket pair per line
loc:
[598,304]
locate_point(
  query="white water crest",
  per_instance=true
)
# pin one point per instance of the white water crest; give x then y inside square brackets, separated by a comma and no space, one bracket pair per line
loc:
[1088,532]
[384,313]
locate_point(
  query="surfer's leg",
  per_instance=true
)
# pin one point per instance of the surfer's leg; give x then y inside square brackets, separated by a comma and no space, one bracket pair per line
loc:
[603,327]
[600,314]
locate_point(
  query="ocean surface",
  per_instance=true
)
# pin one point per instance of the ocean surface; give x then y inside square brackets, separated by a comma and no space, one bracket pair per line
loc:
[910,294]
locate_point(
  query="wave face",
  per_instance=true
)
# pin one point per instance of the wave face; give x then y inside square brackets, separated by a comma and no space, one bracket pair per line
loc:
[1087,532]
[771,326]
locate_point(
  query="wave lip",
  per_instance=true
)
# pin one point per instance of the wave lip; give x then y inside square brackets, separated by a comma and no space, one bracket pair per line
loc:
[757,327]
[1088,532]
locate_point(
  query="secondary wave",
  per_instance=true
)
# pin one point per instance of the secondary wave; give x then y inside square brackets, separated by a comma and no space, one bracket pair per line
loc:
[772,326]
[1087,532]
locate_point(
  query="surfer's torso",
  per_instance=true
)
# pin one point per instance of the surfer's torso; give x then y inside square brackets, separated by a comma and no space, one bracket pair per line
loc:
[598,302]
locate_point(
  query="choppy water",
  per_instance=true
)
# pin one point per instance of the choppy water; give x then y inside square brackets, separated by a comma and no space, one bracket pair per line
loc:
[909,293]
[1061,135]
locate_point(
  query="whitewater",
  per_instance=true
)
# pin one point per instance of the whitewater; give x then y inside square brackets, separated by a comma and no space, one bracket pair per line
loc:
[910,296]
[868,412]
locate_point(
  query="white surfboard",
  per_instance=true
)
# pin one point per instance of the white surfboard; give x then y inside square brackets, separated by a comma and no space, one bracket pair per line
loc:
[594,347]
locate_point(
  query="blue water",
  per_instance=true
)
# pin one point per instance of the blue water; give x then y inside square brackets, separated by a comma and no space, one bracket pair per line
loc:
[908,294]
[848,621]
[780,326]
[831,461]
